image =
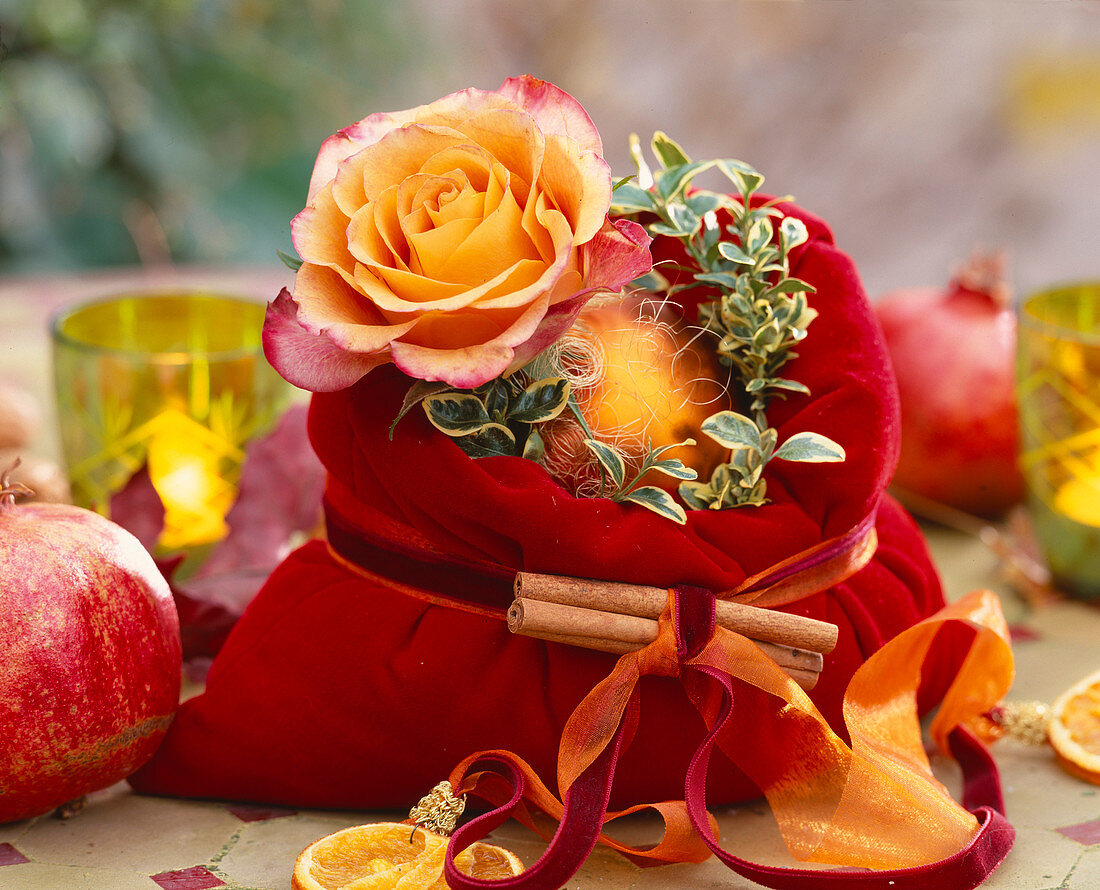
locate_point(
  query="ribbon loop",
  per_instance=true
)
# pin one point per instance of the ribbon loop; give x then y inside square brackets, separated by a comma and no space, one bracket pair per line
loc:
[834,803]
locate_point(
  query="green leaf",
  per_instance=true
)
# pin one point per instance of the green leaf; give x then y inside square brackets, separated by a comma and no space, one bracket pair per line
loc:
[697,495]
[496,399]
[673,180]
[610,460]
[631,198]
[810,448]
[793,232]
[792,286]
[653,281]
[291,262]
[733,430]
[659,501]
[660,228]
[456,413]
[702,203]
[492,440]
[645,175]
[735,254]
[760,234]
[792,385]
[744,176]
[675,468]
[655,453]
[419,391]
[541,401]
[768,438]
[534,448]
[669,153]
[683,217]
[721,279]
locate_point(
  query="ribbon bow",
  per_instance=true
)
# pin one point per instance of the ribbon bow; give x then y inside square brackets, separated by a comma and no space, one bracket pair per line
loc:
[873,804]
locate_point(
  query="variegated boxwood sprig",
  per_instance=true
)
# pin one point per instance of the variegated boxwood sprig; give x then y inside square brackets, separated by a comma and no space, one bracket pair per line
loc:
[740,480]
[761,312]
[615,485]
[498,418]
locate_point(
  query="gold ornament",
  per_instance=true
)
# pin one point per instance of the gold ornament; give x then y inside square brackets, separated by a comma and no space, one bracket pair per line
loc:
[1025,721]
[438,810]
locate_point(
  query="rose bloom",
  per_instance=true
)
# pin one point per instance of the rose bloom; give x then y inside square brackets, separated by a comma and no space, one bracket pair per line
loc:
[456,239]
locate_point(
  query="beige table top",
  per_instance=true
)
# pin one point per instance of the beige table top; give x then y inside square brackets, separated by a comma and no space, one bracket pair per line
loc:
[124,841]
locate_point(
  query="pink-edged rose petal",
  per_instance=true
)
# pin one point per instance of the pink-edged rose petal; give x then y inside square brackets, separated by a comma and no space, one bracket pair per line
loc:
[350,140]
[554,110]
[617,255]
[310,361]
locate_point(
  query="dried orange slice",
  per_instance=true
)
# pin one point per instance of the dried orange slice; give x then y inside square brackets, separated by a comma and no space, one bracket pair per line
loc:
[1074,730]
[384,857]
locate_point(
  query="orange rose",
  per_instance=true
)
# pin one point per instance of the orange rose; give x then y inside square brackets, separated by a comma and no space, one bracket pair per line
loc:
[457,240]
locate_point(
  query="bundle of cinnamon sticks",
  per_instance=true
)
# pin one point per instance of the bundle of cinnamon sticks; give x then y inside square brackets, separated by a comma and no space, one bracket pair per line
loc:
[619,618]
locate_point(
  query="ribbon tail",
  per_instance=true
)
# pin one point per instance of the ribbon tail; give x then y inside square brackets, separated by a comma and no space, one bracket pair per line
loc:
[875,804]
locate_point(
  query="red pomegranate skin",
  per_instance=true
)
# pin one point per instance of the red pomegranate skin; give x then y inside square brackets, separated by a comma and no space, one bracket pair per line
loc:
[89,656]
[956,381]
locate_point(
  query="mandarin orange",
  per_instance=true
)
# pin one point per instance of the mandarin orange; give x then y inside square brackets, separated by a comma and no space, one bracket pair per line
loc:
[1074,730]
[383,856]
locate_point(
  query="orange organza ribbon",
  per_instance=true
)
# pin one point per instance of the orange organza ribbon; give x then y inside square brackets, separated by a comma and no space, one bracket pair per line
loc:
[679,843]
[875,804]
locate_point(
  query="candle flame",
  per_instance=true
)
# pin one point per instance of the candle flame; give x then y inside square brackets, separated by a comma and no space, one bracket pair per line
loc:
[185,467]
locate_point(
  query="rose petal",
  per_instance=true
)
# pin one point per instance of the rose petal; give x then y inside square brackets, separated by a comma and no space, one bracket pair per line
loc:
[473,365]
[555,111]
[310,361]
[327,305]
[515,142]
[559,318]
[496,244]
[350,140]
[378,223]
[319,233]
[405,152]
[617,255]
[465,160]
[579,184]
[395,292]
[463,368]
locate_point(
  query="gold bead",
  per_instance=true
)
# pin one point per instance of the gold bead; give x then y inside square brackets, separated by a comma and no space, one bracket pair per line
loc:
[438,810]
[1024,721]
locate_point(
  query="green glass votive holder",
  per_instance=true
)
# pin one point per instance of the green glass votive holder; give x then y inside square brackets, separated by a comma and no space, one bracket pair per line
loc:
[1059,398]
[173,382]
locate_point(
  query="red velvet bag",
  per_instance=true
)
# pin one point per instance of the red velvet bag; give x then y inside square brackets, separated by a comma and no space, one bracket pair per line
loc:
[371,664]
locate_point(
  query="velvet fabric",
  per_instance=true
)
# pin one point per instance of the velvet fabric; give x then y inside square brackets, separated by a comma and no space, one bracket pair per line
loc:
[349,688]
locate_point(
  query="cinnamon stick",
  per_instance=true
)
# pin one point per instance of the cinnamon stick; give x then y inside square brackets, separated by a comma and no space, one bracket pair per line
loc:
[619,634]
[766,625]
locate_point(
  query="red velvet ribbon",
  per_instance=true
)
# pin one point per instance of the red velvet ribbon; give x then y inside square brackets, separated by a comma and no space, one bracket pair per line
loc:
[583,811]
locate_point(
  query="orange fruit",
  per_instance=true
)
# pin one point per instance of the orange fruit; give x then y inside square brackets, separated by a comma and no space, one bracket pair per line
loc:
[384,857]
[1074,730]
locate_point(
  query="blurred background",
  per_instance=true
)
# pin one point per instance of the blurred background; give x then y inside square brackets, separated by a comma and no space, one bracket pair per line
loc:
[184,131]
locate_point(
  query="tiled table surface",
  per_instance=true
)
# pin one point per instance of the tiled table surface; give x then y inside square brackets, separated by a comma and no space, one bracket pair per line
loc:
[123,841]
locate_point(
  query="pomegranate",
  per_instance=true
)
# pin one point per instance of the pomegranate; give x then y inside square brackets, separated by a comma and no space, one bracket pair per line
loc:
[89,654]
[953,350]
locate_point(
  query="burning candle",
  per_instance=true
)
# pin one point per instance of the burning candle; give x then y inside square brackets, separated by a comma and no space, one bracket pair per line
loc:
[176,383]
[1059,397]
[1079,499]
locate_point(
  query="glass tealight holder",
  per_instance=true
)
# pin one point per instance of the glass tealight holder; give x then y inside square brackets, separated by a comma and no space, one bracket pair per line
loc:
[1059,398]
[174,383]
